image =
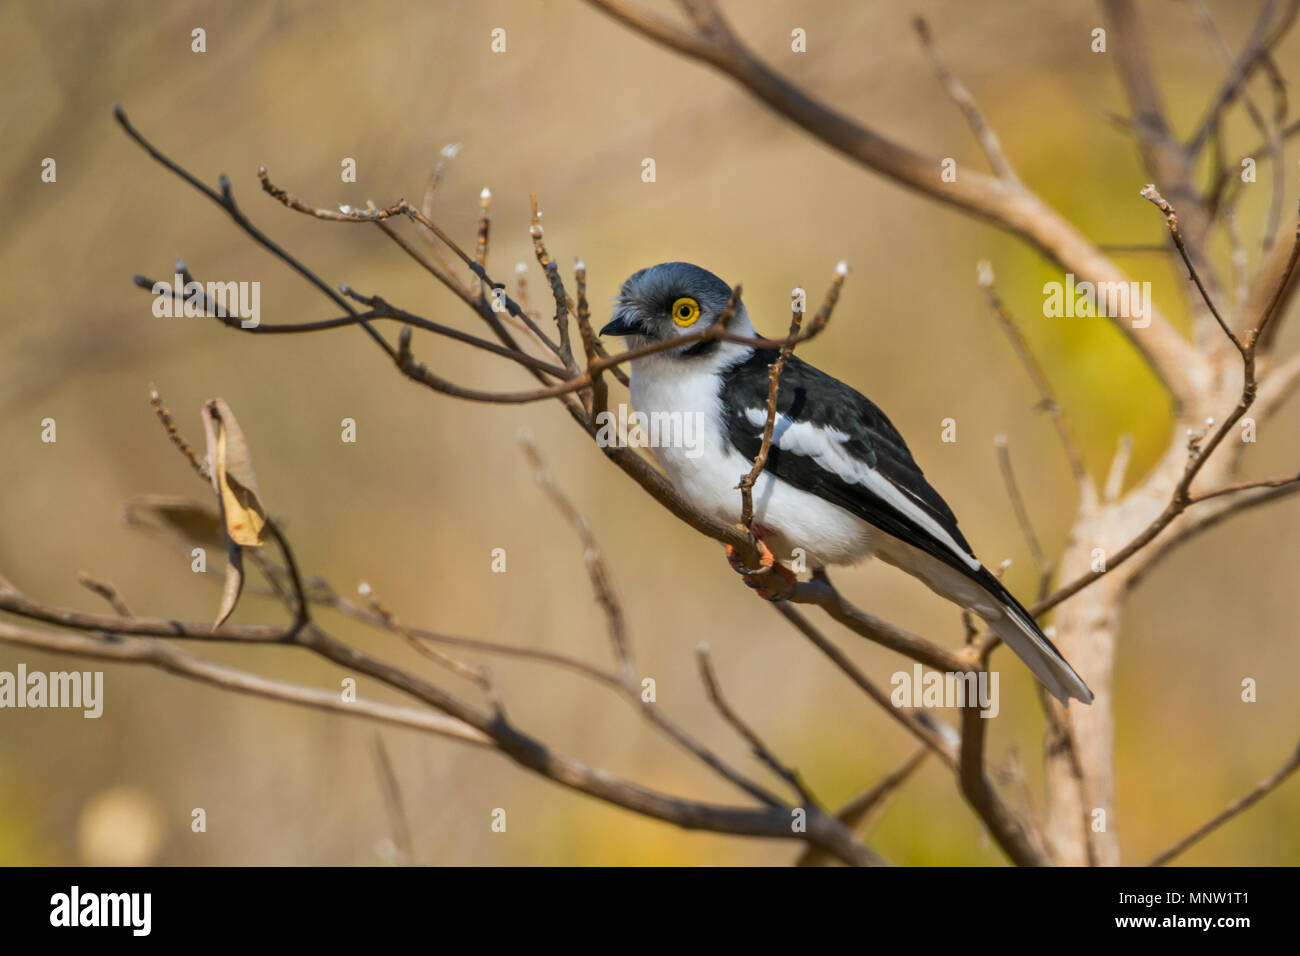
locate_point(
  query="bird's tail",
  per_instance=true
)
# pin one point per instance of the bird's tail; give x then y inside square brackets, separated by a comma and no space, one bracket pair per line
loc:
[982,593]
[1019,632]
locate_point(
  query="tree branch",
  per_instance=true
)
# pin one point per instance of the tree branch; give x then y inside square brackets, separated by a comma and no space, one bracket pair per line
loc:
[1234,809]
[1014,210]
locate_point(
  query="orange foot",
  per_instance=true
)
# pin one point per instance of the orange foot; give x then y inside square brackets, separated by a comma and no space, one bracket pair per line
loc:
[770,587]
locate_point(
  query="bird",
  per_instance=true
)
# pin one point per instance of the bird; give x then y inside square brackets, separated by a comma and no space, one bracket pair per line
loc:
[839,484]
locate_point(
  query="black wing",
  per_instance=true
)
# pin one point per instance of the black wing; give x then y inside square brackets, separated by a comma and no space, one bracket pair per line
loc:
[811,396]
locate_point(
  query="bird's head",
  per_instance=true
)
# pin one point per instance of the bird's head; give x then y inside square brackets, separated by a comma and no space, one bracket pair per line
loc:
[671,300]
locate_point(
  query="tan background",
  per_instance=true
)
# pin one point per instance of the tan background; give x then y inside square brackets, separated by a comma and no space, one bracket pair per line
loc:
[433,485]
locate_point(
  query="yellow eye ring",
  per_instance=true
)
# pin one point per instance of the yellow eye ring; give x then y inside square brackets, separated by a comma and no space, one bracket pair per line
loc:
[685,311]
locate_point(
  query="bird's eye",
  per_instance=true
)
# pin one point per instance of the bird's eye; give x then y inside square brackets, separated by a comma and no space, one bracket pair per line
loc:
[685,311]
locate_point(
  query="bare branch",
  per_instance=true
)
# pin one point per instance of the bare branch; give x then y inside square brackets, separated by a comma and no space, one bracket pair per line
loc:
[476,675]
[988,139]
[1039,378]
[1152,195]
[484,227]
[174,661]
[1199,448]
[760,749]
[596,571]
[563,307]
[1270,129]
[105,590]
[1279,481]
[1018,505]
[917,727]
[590,346]
[1012,209]
[393,801]
[1118,469]
[1011,835]
[1237,807]
[855,813]
[1258,45]
[445,156]
[169,423]
[765,446]
[822,593]
[1272,289]
[226,200]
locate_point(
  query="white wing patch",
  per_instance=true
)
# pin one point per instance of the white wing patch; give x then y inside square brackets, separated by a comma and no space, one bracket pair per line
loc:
[826,446]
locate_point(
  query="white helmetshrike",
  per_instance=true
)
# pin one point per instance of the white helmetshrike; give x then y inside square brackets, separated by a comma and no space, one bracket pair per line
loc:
[839,482]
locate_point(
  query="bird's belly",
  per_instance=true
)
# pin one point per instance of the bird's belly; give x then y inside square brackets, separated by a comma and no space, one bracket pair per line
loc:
[706,471]
[800,524]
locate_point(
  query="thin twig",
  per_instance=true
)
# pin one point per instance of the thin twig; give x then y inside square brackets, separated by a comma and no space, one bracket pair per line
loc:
[855,813]
[479,676]
[1009,832]
[1258,45]
[1118,469]
[1237,807]
[911,721]
[105,590]
[563,307]
[599,390]
[596,570]
[1270,129]
[1036,374]
[175,661]
[760,749]
[169,424]
[1018,506]
[960,95]
[765,446]
[396,806]
[1152,195]
[484,227]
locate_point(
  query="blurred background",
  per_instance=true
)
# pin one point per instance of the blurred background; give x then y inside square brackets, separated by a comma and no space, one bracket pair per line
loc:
[416,506]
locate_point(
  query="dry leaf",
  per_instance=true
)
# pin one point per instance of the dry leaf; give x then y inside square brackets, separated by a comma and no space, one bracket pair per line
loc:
[183,521]
[242,516]
[234,583]
[231,467]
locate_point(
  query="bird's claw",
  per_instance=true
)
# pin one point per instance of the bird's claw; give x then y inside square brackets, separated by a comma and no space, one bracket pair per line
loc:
[771,580]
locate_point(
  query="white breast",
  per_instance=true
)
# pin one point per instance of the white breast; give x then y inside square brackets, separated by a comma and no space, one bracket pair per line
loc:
[709,478]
